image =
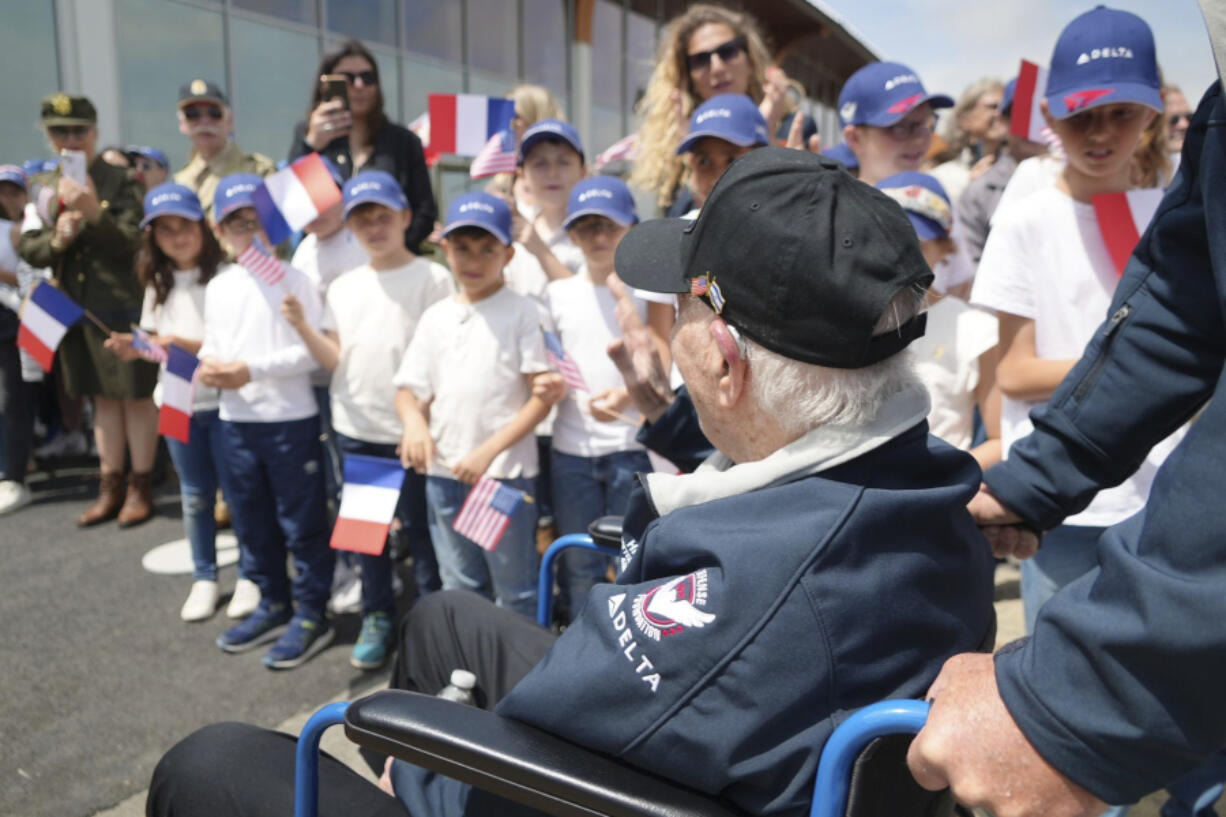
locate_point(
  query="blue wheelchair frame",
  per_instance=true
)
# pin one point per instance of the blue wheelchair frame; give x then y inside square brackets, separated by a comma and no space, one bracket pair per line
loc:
[544,587]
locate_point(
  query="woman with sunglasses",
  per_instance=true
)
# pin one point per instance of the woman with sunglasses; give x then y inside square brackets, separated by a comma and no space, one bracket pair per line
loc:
[88,240]
[355,133]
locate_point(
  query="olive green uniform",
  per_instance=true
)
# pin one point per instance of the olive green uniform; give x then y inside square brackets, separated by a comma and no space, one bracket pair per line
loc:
[202,176]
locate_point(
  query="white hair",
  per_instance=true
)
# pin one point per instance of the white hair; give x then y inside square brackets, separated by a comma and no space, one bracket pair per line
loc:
[801,396]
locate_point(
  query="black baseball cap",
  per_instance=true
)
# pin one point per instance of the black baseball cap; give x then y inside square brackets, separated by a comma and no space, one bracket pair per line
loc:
[201,90]
[792,251]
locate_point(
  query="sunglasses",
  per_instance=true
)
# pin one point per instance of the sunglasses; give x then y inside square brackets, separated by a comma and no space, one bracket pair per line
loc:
[194,112]
[1176,118]
[727,52]
[368,77]
[64,131]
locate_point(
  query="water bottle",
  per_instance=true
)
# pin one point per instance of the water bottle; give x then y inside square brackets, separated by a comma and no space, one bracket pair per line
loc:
[460,689]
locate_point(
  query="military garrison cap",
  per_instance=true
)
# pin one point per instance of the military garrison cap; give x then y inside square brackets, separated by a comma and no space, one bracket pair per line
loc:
[62,109]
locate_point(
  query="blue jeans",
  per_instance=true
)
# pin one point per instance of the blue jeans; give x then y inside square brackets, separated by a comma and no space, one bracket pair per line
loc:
[278,505]
[332,451]
[376,571]
[508,573]
[201,464]
[584,489]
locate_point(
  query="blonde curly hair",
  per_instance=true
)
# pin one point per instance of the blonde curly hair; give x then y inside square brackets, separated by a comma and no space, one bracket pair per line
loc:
[657,166]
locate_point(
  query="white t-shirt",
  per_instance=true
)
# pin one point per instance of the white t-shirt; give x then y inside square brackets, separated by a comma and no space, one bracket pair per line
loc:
[323,260]
[182,314]
[1031,175]
[947,361]
[243,321]
[468,361]
[375,314]
[565,250]
[583,315]
[1046,260]
[524,275]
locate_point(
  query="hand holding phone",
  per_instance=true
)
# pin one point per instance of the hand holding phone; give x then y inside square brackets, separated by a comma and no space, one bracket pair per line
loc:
[73,166]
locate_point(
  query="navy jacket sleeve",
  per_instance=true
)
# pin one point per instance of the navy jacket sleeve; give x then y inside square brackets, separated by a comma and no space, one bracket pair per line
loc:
[676,436]
[1120,686]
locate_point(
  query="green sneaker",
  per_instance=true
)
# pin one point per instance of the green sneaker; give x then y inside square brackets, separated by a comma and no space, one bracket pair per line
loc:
[373,644]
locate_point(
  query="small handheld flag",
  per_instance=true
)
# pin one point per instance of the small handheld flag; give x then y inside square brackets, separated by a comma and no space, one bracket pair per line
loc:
[498,156]
[146,347]
[1123,218]
[421,127]
[48,314]
[261,263]
[463,123]
[178,394]
[487,512]
[557,358]
[623,149]
[1026,118]
[368,503]
[292,198]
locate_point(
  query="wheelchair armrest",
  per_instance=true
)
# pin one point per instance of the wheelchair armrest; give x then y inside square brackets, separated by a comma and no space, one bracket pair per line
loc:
[515,761]
[607,531]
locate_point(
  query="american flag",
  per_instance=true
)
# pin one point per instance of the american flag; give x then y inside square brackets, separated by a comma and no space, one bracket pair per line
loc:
[487,511]
[624,148]
[146,347]
[557,358]
[261,263]
[498,156]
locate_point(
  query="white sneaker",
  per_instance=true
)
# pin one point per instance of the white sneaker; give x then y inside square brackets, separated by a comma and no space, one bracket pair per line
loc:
[346,595]
[245,599]
[201,602]
[13,496]
[64,444]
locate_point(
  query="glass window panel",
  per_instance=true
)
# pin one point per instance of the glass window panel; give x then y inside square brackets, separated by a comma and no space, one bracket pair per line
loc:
[300,11]
[490,84]
[640,55]
[389,79]
[27,40]
[493,36]
[606,129]
[373,20]
[545,53]
[607,54]
[432,27]
[273,70]
[647,8]
[161,46]
[423,77]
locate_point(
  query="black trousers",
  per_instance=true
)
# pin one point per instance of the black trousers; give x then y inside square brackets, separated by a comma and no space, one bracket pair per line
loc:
[14,414]
[245,771]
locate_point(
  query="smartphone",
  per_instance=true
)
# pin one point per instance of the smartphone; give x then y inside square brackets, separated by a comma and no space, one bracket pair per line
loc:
[335,86]
[72,165]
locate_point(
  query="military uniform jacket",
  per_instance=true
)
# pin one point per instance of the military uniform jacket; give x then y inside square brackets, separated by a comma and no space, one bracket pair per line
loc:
[759,604]
[202,175]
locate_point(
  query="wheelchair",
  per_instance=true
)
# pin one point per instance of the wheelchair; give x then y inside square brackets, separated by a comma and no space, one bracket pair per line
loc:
[862,771]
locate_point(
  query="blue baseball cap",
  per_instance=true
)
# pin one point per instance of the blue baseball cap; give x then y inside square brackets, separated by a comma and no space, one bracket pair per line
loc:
[234,192]
[881,93]
[171,199]
[924,200]
[1103,57]
[549,129]
[731,117]
[13,175]
[373,187]
[1006,101]
[32,167]
[147,152]
[842,154]
[483,210]
[601,196]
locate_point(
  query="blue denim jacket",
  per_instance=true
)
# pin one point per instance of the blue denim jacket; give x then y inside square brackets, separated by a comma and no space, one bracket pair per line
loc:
[1121,686]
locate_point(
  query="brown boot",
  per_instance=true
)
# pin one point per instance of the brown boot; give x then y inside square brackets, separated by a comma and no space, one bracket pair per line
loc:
[106,506]
[138,505]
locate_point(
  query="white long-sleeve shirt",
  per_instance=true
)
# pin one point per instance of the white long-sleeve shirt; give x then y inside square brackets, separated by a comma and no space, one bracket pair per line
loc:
[242,321]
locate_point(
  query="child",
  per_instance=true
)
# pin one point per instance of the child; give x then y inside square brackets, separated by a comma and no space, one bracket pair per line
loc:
[595,455]
[956,357]
[465,399]
[178,257]
[1046,270]
[271,428]
[551,163]
[722,129]
[15,423]
[370,317]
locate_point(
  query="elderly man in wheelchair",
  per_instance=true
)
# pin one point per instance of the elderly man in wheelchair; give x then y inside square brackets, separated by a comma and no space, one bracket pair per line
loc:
[821,561]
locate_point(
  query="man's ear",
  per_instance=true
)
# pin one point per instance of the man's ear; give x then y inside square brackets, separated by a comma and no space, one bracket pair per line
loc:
[733,378]
[183,126]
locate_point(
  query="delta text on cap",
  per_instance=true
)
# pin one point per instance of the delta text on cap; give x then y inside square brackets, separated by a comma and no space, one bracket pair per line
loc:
[1103,57]
[171,199]
[881,93]
[234,192]
[373,187]
[606,196]
[795,253]
[481,210]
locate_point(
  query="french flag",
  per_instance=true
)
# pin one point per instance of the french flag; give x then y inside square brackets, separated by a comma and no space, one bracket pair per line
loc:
[368,503]
[462,124]
[47,315]
[1026,118]
[178,394]
[1123,219]
[292,198]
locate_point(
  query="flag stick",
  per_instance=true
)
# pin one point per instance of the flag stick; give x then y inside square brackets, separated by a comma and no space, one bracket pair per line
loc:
[102,327]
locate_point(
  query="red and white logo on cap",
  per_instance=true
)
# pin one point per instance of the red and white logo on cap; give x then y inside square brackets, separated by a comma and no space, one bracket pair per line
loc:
[904,105]
[1080,99]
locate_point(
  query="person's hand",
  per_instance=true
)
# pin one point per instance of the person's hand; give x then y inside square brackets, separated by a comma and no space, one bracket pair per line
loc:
[416,448]
[525,233]
[549,387]
[608,406]
[68,226]
[385,779]
[79,198]
[330,120]
[774,98]
[231,375]
[971,744]
[796,133]
[291,309]
[635,355]
[1001,526]
[120,345]
[980,167]
[473,465]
